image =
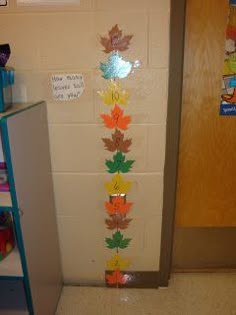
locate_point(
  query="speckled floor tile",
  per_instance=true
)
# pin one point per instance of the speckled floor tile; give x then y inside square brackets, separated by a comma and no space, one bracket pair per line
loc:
[84,300]
[187,294]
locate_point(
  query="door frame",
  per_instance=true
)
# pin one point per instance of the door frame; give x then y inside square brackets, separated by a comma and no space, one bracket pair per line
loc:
[176,60]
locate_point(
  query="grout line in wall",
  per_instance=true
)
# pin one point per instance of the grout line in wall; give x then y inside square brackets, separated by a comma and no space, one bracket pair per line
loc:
[76,216]
[148,39]
[104,173]
[88,70]
[147,147]
[26,10]
[101,125]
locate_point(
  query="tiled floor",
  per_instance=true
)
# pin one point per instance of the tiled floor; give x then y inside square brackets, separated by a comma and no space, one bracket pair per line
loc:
[188,294]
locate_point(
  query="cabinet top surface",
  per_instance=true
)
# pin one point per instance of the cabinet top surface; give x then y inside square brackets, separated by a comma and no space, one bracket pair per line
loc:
[16,108]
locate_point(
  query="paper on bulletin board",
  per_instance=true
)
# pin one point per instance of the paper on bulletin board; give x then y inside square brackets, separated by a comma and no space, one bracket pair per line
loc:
[228,96]
[44,2]
[67,87]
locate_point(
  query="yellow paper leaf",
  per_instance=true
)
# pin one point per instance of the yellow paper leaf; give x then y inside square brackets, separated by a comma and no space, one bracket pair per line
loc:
[117,263]
[117,186]
[114,95]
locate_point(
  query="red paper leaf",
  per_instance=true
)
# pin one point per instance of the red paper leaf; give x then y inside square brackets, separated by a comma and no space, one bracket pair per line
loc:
[116,278]
[115,41]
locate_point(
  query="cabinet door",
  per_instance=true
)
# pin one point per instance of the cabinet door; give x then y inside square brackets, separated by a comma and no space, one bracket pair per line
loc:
[29,145]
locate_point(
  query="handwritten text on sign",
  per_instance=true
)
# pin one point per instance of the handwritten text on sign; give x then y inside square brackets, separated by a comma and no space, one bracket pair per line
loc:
[67,87]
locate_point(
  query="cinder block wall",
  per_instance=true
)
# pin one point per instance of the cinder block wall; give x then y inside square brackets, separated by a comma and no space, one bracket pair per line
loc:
[47,40]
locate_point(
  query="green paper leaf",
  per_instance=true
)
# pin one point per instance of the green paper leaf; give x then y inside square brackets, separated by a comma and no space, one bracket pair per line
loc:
[125,243]
[119,157]
[112,167]
[117,241]
[126,166]
[110,243]
[118,164]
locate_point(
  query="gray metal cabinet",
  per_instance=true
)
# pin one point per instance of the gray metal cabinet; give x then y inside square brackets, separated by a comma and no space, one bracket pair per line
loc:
[30,277]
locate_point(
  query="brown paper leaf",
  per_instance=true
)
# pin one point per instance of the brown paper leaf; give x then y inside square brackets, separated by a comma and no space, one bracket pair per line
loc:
[124,146]
[117,223]
[109,145]
[115,41]
[117,143]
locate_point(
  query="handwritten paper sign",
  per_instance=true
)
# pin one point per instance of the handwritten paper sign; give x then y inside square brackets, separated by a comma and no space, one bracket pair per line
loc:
[67,87]
[3,3]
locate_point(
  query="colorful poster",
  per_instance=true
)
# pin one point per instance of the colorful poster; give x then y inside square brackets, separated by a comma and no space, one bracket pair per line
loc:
[228,97]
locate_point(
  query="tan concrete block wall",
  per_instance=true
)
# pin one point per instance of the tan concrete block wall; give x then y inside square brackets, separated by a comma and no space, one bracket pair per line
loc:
[48,40]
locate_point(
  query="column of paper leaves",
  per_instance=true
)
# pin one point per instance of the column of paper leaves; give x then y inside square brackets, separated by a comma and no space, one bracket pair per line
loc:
[117,206]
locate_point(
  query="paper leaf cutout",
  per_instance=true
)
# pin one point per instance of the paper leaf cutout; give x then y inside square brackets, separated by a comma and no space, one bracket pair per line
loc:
[115,41]
[117,119]
[117,241]
[117,186]
[119,164]
[118,205]
[116,278]
[117,143]
[117,222]
[117,68]
[114,95]
[117,263]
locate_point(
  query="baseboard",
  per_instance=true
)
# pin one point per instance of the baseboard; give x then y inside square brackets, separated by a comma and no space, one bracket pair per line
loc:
[204,270]
[137,279]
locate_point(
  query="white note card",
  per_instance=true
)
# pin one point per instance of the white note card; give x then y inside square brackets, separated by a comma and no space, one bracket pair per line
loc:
[45,2]
[67,87]
[3,3]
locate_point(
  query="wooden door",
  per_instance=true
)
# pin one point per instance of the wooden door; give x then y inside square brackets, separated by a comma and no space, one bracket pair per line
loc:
[206,198]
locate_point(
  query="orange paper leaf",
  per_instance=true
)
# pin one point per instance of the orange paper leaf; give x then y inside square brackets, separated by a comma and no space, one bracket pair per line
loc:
[117,119]
[118,205]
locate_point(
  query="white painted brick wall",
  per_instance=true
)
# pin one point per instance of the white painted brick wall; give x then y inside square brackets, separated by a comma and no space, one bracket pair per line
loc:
[49,40]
